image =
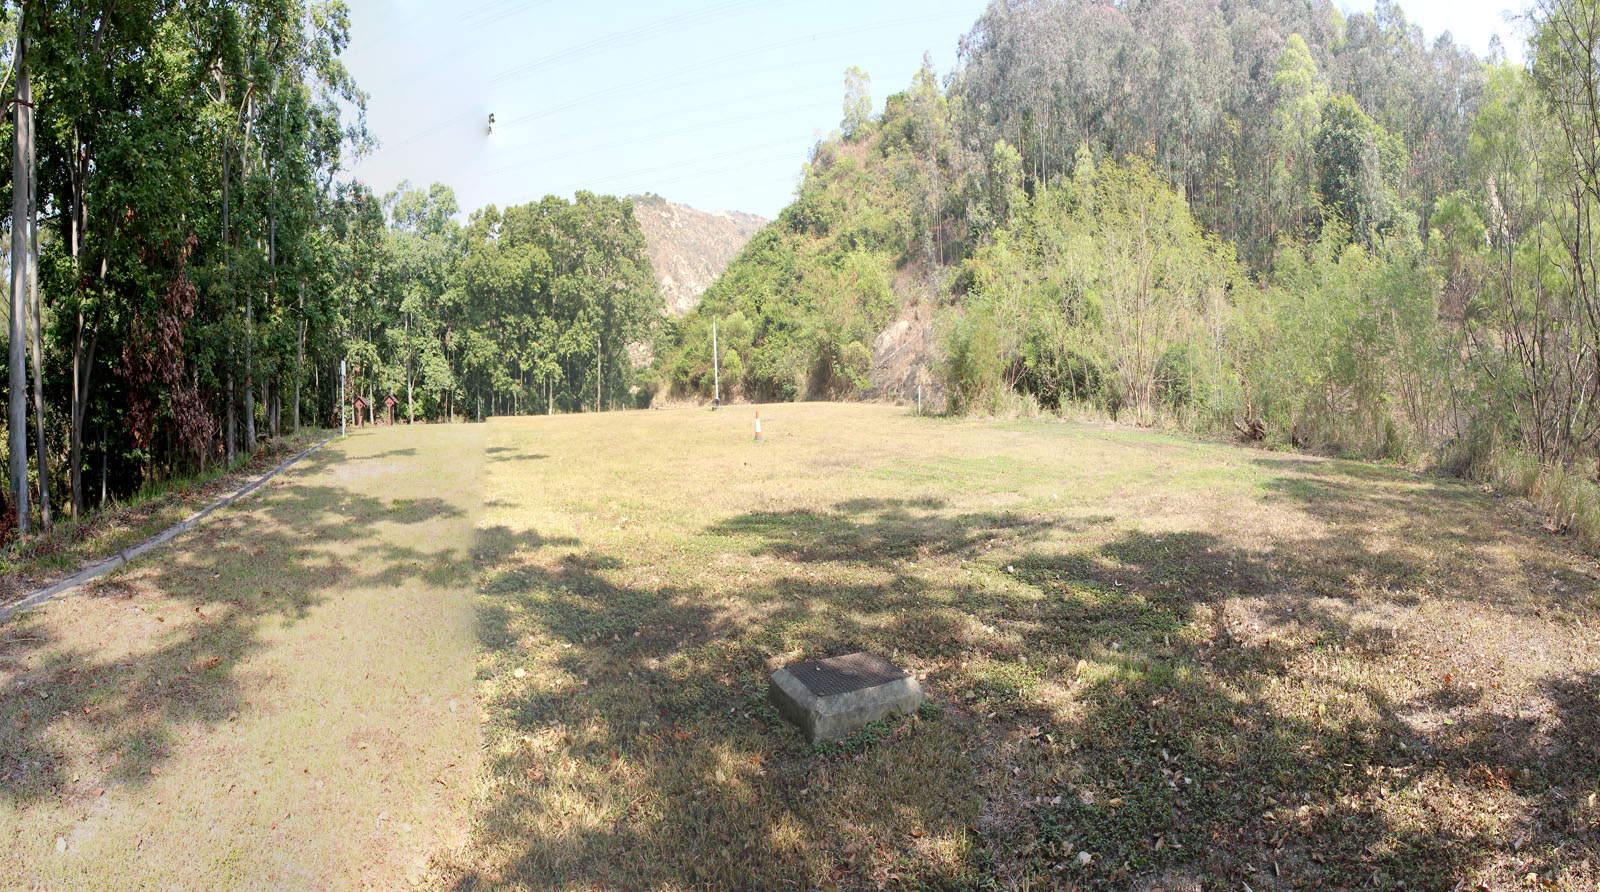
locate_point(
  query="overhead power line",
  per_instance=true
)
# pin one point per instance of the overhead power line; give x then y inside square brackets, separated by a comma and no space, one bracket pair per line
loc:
[674,78]
[662,134]
[632,125]
[477,17]
[713,161]
[731,189]
[607,92]
[619,39]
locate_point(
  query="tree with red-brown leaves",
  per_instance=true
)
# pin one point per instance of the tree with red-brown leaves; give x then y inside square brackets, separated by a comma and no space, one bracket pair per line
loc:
[153,364]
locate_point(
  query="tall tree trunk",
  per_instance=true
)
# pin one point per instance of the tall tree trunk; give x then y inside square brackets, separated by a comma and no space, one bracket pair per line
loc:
[77,227]
[249,299]
[17,411]
[230,408]
[84,345]
[43,455]
[86,339]
[227,247]
[300,356]
[249,388]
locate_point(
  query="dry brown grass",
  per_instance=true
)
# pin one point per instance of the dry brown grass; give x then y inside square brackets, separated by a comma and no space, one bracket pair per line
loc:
[1191,665]
[280,699]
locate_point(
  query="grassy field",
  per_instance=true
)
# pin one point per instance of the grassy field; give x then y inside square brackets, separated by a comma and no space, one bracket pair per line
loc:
[1151,663]
[279,699]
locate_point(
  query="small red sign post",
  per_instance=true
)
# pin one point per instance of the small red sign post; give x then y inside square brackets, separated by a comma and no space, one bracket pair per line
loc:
[361,406]
[389,403]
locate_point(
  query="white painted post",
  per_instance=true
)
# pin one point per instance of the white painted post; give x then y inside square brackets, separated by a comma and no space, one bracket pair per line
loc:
[716,370]
[919,397]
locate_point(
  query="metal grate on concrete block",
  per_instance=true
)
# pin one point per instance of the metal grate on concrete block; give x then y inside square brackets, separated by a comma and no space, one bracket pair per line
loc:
[844,674]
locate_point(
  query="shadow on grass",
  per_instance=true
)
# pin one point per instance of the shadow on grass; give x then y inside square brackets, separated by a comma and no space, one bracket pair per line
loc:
[79,711]
[1403,535]
[507,453]
[1103,716]
[880,531]
[641,752]
[392,453]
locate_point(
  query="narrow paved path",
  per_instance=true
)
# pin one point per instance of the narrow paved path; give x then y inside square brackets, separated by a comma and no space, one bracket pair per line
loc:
[46,593]
[280,699]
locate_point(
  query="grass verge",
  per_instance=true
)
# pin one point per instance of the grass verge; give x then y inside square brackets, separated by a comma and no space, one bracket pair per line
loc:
[45,557]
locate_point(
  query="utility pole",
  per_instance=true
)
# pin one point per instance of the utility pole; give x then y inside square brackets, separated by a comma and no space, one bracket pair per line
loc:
[597,406]
[17,415]
[716,369]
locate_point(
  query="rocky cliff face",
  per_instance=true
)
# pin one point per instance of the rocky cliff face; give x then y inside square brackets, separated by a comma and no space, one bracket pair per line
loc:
[690,248]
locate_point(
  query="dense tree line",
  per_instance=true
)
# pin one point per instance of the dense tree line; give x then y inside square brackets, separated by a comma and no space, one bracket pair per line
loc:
[191,263]
[169,162]
[1229,102]
[530,309]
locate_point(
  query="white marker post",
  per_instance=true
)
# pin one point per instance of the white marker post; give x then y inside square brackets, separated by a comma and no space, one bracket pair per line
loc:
[341,399]
[716,370]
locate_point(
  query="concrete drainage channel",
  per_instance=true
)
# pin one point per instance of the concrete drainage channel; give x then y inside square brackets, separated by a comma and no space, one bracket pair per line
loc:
[124,555]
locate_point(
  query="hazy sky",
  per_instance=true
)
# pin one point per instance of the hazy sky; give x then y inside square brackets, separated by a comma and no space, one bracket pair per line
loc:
[714,103]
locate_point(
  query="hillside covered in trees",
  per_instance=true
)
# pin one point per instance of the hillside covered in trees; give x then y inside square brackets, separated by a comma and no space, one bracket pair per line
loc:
[1268,219]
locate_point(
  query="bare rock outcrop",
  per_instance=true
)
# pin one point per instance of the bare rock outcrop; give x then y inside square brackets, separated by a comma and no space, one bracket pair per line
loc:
[689,248]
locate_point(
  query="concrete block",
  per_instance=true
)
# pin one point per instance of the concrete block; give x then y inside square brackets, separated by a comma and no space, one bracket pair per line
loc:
[832,698]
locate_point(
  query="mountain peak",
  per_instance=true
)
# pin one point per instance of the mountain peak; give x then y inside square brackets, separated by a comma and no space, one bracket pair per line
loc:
[690,248]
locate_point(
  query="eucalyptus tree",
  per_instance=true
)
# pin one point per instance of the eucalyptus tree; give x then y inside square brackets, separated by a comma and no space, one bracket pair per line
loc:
[35,307]
[1202,90]
[424,243]
[117,110]
[185,155]
[1299,94]
[16,416]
